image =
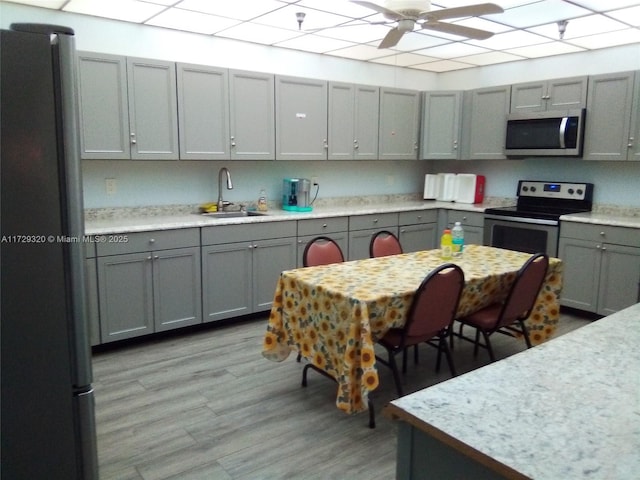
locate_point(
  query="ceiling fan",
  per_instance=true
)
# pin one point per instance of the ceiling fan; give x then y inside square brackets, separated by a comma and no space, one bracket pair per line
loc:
[408,13]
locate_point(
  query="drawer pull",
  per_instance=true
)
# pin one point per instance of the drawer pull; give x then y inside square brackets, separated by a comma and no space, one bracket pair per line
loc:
[152,240]
[324,225]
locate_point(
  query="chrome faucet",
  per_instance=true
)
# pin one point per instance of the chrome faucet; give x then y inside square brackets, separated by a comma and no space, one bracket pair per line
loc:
[221,203]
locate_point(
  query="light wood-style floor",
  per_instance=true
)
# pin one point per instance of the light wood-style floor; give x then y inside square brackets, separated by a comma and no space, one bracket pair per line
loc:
[207,405]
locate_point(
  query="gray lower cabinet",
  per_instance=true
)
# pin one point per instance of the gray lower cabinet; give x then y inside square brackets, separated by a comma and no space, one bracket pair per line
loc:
[336,228]
[472,223]
[601,267]
[363,227]
[241,265]
[613,118]
[418,230]
[148,282]
[484,122]
[301,119]
[399,124]
[441,125]
[91,286]
[103,106]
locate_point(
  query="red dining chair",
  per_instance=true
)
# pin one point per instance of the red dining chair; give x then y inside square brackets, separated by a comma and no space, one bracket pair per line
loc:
[508,317]
[321,251]
[429,319]
[384,243]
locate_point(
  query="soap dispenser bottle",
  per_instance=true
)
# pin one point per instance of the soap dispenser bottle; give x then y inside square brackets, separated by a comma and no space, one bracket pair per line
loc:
[262,200]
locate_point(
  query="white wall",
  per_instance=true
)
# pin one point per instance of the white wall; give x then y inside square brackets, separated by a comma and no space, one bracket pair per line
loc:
[156,183]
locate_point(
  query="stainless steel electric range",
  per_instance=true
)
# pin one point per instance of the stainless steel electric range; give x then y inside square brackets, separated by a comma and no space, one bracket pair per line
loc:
[533,224]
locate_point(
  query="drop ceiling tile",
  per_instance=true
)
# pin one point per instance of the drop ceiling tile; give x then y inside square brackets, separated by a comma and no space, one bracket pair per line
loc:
[630,16]
[611,39]
[545,50]
[255,33]
[490,58]
[127,10]
[166,3]
[604,5]
[483,24]
[539,13]
[358,52]
[243,10]
[345,8]
[356,32]
[442,66]
[189,21]
[417,40]
[452,50]
[314,43]
[513,39]
[404,59]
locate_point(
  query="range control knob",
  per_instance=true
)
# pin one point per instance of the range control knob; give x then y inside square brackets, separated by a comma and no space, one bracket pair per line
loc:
[533,189]
[571,191]
[580,192]
[525,189]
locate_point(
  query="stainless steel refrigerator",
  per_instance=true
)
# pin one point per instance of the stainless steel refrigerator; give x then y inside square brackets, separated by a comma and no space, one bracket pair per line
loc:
[47,415]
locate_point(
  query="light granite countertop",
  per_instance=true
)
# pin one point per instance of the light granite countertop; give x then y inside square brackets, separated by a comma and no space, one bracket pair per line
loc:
[604,218]
[566,409]
[140,222]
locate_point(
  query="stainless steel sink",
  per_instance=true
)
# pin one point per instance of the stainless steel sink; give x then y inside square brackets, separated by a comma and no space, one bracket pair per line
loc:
[232,214]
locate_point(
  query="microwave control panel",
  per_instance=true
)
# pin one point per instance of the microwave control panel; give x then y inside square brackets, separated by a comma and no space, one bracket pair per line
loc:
[559,190]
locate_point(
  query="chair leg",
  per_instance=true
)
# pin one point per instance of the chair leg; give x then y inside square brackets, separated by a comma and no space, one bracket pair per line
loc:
[477,343]
[396,375]
[447,354]
[404,360]
[372,415]
[525,333]
[415,354]
[488,345]
[299,357]
[304,374]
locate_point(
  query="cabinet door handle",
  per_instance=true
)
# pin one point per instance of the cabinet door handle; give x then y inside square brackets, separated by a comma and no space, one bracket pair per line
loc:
[156,257]
[133,138]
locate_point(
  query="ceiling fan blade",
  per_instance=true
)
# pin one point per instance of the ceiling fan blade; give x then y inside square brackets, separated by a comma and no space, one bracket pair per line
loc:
[460,30]
[467,11]
[378,8]
[392,38]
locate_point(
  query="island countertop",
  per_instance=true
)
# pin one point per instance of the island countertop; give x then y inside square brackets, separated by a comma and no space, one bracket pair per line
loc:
[566,409]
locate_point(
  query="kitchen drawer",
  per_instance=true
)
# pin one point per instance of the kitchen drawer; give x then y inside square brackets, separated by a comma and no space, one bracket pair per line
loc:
[418,216]
[601,233]
[247,232]
[474,219]
[116,244]
[374,220]
[322,226]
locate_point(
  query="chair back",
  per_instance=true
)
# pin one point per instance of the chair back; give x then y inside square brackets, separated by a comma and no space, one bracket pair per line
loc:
[321,251]
[524,290]
[384,243]
[435,302]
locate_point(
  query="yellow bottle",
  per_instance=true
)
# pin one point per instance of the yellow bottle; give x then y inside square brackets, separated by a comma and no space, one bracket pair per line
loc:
[446,245]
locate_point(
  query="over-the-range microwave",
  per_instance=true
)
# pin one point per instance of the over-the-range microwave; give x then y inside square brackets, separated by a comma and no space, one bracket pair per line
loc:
[545,134]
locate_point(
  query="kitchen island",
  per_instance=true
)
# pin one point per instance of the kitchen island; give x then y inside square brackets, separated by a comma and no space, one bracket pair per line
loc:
[566,409]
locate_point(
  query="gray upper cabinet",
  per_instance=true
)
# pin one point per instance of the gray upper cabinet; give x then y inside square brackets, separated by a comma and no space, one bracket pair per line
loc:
[104,117]
[252,115]
[301,119]
[441,125]
[153,111]
[634,132]
[608,133]
[203,112]
[353,121]
[399,124]
[559,94]
[484,123]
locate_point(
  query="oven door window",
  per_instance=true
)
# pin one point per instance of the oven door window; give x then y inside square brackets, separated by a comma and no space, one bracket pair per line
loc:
[519,239]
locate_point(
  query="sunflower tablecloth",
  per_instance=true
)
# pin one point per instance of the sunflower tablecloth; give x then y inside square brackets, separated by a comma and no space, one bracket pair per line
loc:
[333,314]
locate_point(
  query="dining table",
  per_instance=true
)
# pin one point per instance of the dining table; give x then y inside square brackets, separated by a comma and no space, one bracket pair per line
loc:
[332,315]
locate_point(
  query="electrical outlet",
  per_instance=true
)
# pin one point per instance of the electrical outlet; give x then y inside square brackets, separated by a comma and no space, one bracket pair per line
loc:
[111,186]
[314,180]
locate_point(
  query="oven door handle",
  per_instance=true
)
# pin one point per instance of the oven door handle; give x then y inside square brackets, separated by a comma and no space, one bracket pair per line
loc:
[534,221]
